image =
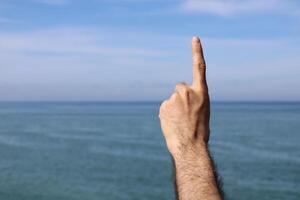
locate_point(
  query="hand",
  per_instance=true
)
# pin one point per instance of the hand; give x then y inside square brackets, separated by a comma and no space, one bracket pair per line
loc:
[185,116]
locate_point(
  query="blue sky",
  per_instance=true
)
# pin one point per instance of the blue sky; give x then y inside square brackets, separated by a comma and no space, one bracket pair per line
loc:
[138,49]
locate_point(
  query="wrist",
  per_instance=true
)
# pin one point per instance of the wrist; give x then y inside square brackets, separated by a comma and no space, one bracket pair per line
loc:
[190,151]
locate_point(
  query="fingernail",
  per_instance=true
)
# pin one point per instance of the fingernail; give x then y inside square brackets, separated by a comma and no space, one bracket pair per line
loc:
[196,39]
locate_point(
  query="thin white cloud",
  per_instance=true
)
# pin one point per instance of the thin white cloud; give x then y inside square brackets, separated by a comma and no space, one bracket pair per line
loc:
[232,7]
[53,2]
[245,42]
[71,41]
[78,40]
[4,20]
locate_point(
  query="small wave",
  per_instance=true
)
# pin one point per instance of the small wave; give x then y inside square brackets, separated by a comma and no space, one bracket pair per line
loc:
[127,152]
[255,152]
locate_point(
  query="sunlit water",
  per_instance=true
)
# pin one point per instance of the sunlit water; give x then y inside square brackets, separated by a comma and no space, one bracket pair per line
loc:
[92,151]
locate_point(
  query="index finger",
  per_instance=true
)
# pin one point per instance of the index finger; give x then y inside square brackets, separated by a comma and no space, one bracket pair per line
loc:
[199,67]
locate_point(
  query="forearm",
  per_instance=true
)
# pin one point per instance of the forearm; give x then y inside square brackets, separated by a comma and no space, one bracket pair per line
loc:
[195,177]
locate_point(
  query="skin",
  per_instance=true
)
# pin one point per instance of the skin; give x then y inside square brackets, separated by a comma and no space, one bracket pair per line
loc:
[184,121]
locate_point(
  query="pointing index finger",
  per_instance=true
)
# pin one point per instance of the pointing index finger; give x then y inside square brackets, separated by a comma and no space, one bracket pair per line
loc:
[199,67]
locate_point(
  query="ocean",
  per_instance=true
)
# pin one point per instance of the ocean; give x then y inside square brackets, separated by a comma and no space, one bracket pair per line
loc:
[115,151]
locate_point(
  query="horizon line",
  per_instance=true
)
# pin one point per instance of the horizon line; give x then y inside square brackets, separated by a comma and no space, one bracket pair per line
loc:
[142,101]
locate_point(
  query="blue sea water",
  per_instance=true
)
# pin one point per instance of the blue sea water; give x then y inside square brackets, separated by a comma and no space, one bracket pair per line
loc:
[110,151]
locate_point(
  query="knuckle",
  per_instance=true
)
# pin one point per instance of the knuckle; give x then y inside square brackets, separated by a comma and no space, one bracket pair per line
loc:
[174,96]
[201,65]
[181,88]
[162,106]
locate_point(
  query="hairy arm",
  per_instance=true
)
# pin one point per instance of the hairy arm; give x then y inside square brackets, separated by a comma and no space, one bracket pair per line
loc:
[195,175]
[185,124]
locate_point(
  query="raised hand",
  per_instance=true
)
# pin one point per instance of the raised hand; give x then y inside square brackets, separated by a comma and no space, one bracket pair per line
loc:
[185,116]
[185,124]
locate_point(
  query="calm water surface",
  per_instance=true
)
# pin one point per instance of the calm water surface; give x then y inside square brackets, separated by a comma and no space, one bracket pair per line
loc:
[110,151]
